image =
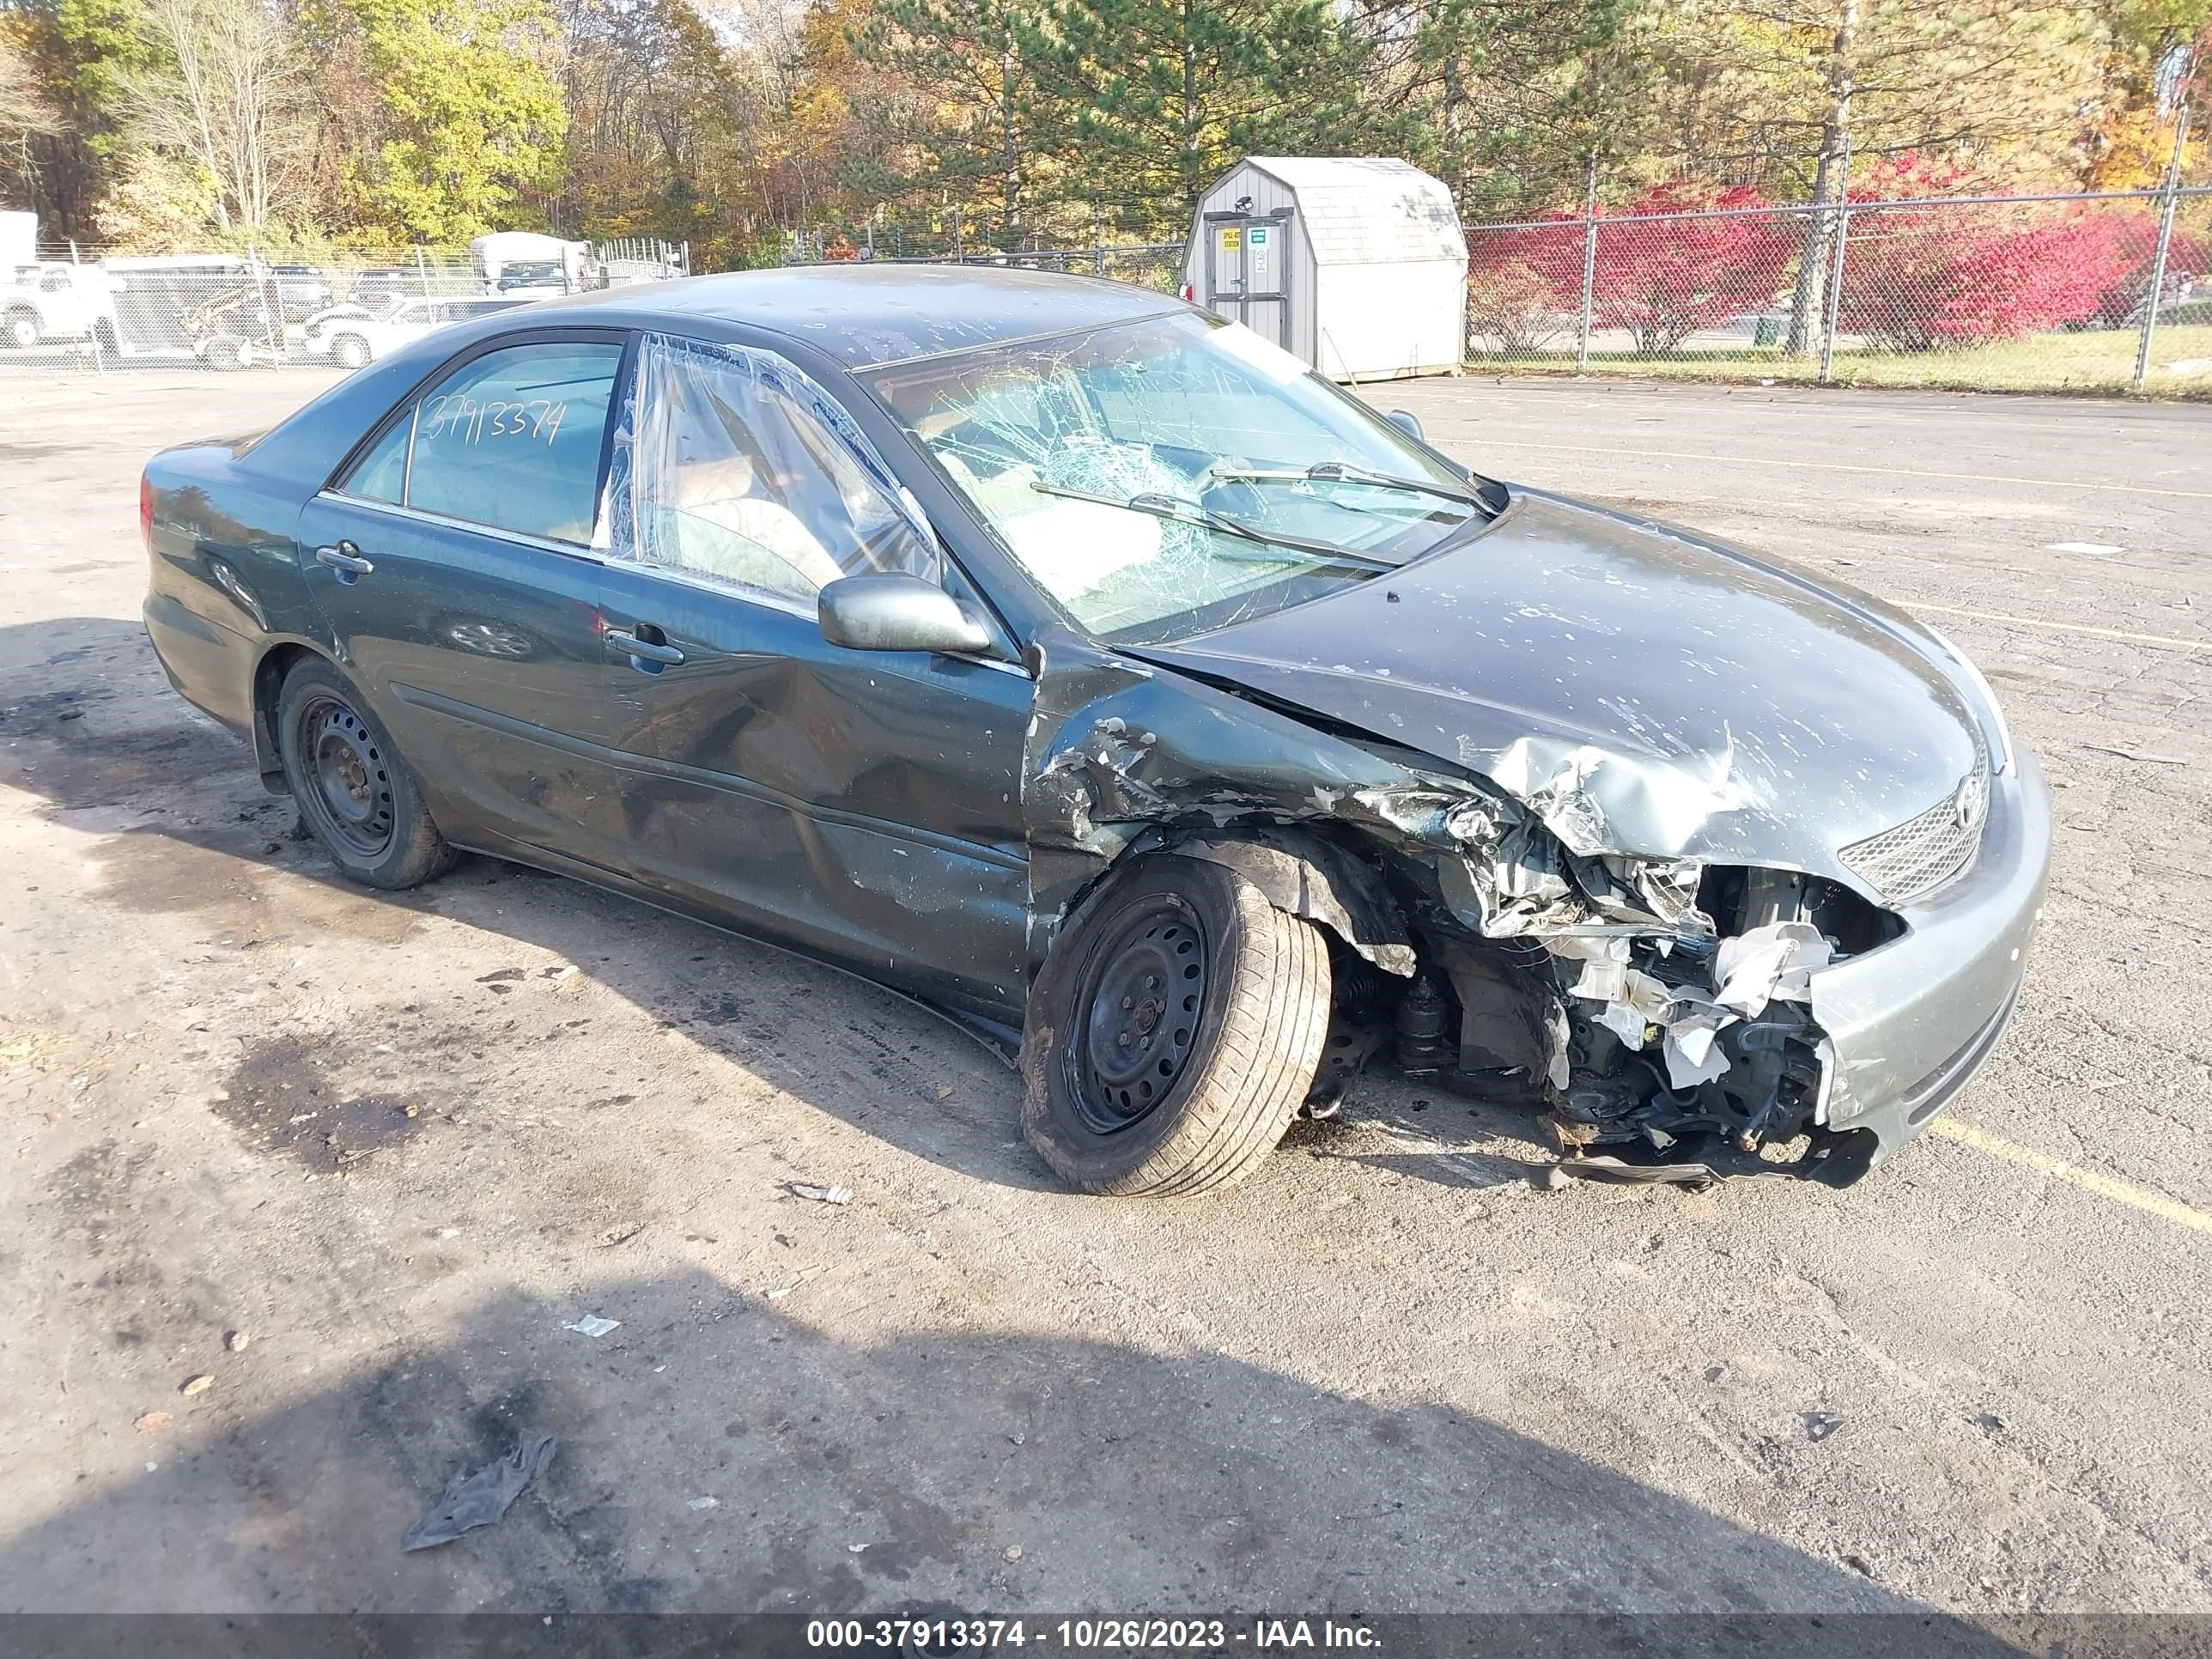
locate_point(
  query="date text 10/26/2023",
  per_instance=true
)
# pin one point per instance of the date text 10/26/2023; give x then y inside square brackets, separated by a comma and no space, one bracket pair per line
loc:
[1172,1635]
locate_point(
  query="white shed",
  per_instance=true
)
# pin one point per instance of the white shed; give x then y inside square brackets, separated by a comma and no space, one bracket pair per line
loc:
[1355,263]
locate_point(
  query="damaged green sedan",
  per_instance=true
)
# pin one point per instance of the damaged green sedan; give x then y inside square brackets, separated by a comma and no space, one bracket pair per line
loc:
[1083,666]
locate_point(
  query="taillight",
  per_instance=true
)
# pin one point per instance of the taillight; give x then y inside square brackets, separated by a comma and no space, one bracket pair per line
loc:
[1189,295]
[146,512]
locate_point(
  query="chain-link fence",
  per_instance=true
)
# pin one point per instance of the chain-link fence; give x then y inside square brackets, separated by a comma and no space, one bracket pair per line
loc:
[2105,293]
[78,307]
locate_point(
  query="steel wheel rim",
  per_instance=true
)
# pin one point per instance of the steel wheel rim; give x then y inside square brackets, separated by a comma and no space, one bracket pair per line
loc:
[349,780]
[1138,1008]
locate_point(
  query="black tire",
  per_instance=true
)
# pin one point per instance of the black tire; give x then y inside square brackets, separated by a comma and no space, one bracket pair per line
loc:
[349,351]
[354,791]
[21,329]
[1215,1086]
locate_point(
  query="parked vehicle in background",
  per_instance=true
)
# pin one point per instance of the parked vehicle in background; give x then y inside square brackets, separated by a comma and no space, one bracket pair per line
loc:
[380,288]
[48,302]
[301,290]
[494,256]
[351,335]
[533,278]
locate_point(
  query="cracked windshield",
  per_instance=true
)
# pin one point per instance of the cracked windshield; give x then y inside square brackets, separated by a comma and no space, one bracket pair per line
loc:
[1169,476]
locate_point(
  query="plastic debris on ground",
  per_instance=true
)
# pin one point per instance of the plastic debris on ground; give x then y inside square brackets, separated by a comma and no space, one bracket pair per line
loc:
[477,1497]
[591,1325]
[821,1194]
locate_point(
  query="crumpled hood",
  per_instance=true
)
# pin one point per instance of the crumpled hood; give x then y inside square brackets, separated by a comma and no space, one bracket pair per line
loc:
[1707,704]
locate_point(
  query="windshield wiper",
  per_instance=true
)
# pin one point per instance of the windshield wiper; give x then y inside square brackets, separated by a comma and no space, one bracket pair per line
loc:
[1199,515]
[1346,472]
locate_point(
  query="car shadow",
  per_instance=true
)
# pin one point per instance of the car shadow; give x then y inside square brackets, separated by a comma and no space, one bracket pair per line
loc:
[718,1454]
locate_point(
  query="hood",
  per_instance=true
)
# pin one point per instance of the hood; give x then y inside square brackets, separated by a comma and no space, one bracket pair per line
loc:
[1650,692]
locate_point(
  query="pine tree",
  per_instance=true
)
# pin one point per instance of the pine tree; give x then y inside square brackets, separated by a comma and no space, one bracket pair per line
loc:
[983,129]
[1167,94]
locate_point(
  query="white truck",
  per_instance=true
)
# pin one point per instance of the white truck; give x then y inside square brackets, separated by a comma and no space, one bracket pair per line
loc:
[50,302]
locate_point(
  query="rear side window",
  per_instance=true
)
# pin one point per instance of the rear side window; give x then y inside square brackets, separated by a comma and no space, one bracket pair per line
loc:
[510,440]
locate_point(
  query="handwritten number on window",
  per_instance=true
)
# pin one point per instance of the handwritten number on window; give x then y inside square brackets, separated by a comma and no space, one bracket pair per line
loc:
[457,414]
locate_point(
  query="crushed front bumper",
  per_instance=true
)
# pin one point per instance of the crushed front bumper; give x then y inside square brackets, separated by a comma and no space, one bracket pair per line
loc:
[1911,1022]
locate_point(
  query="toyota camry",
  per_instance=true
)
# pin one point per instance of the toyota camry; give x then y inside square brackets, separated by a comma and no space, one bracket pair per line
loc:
[1084,665]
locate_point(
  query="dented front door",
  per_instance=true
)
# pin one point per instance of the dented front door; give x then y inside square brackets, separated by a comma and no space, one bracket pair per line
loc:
[865,805]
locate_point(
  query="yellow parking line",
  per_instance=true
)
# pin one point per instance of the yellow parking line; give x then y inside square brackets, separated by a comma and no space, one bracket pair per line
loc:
[2065,627]
[2104,1186]
[1487,442]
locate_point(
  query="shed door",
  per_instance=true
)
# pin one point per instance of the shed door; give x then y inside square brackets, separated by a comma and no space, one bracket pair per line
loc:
[1247,271]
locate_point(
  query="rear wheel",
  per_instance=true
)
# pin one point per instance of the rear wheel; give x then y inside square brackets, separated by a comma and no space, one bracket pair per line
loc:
[21,330]
[1173,1031]
[354,793]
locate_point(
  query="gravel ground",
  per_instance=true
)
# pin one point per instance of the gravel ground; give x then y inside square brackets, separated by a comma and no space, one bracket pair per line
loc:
[395,1143]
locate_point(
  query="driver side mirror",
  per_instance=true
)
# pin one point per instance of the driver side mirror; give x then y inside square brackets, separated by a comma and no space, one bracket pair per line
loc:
[1406,422]
[893,611]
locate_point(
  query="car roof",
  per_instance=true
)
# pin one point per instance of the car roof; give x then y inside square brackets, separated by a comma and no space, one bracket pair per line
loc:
[865,315]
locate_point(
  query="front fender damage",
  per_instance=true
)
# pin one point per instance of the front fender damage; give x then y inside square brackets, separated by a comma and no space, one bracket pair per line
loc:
[1592,983]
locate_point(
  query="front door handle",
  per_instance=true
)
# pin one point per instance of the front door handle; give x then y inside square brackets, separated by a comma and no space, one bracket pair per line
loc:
[345,559]
[645,650]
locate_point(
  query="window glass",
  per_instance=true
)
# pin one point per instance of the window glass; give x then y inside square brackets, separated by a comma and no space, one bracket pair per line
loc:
[741,469]
[512,438]
[382,475]
[1164,476]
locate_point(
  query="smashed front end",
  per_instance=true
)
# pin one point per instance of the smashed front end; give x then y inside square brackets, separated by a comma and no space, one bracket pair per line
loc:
[1665,1015]
[1657,1011]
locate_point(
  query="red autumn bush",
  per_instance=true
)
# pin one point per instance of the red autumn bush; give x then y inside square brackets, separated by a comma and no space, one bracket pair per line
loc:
[1663,280]
[1660,279]
[1964,274]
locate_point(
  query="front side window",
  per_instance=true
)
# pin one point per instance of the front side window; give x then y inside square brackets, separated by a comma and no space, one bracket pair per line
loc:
[510,440]
[732,465]
[1161,477]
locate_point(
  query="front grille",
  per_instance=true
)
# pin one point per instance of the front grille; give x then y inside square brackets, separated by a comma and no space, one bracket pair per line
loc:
[1913,859]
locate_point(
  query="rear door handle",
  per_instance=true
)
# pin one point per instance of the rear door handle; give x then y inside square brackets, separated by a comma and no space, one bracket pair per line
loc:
[345,559]
[647,650]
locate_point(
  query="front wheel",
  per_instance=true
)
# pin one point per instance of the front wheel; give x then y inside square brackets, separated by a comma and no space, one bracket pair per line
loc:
[21,329]
[351,350]
[1173,1031]
[356,793]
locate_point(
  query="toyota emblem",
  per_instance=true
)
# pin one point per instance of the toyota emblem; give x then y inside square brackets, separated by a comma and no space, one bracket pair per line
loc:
[1968,805]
